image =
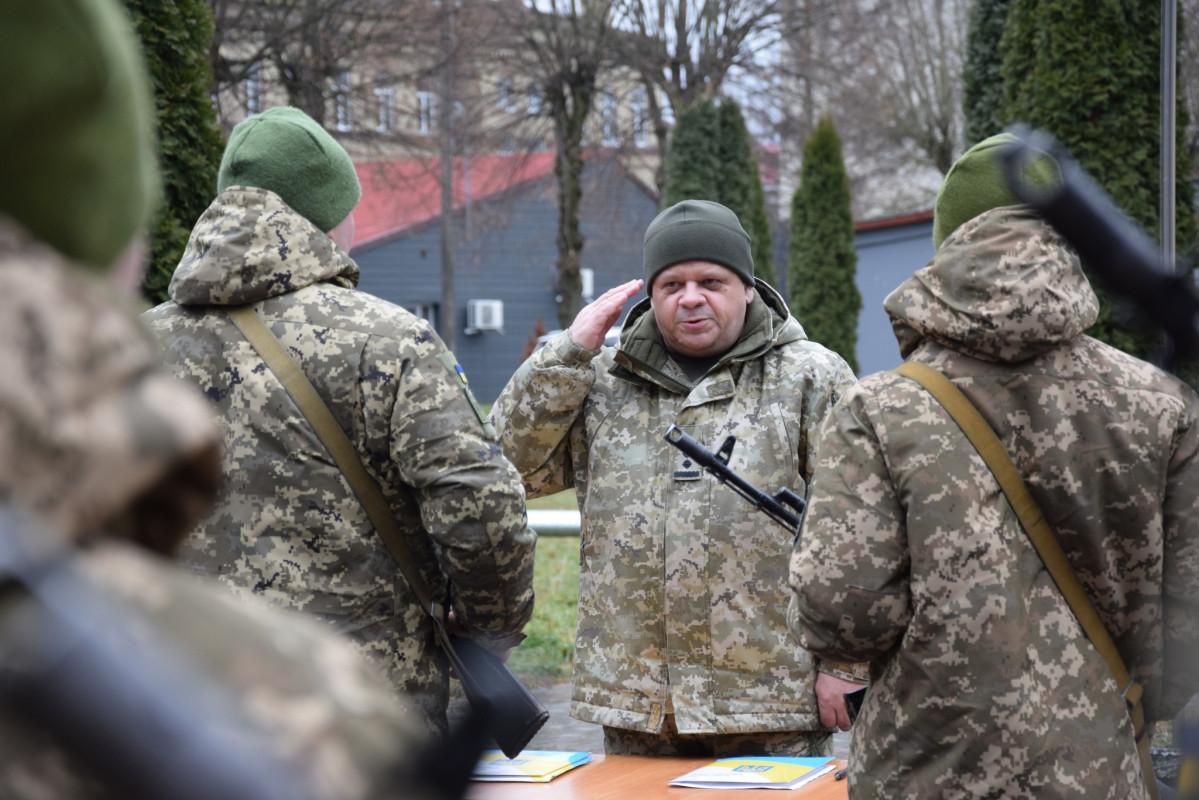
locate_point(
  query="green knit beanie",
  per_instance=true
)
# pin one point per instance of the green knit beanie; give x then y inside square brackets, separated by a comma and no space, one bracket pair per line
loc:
[284,151]
[976,183]
[78,166]
[697,230]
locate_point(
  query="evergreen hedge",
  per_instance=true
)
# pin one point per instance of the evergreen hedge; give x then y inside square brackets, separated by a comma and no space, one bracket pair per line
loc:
[175,37]
[823,260]
[1089,74]
[711,158]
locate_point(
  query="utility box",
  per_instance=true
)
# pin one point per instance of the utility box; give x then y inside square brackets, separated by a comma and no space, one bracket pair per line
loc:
[484,315]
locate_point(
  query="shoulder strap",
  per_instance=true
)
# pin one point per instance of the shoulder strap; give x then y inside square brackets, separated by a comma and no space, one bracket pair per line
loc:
[1000,463]
[365,488]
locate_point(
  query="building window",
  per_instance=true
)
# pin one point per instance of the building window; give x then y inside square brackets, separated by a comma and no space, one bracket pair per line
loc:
[252,89]
[385,97]
[506,95]
[608,118]
[640,111]
[426,113]
[426,311]
[536,101]
[342,115]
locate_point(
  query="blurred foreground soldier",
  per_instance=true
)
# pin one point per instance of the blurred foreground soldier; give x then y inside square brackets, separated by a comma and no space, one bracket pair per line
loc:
[288,528]
[682,645]
[983,682]
[121,459]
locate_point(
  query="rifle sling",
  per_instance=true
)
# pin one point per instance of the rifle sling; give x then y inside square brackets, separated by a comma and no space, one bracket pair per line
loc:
[1047,546]
[344,454]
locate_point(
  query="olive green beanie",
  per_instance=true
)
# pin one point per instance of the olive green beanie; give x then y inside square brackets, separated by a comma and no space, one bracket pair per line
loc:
[976,183]
[697,230]
[285,151]
[78,166]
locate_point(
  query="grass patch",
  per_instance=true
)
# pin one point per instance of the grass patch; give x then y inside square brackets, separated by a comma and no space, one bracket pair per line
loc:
[562,501]
[545,656]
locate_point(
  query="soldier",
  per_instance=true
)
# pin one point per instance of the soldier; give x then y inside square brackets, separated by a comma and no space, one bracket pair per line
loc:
[121,460]
[681,645]
[983,683]
[287,527]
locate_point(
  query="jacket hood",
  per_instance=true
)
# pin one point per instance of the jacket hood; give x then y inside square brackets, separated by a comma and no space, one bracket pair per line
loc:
[94,436]
[1003,287]
[250,245]
[768,323]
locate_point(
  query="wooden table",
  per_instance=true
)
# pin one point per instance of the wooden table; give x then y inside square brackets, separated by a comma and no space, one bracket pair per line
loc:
[645,778]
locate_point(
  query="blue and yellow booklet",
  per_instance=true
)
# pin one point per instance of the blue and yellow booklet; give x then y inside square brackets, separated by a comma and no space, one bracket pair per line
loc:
[531,766]
[755,772]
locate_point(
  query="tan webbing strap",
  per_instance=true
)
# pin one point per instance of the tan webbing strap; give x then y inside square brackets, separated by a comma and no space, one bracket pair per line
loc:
[993,453]
[365,488]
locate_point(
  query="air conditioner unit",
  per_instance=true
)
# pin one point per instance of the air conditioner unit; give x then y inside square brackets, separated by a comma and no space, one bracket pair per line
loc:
[484,315]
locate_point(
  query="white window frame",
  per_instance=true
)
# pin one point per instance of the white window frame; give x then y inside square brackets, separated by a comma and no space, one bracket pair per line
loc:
[252,89]
[640,110]
[385,96]
[505,93]
[343,113]
[426,112]
[608,133]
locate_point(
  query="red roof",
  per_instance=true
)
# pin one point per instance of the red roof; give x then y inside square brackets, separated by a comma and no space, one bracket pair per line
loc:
[400,194]
[893,221]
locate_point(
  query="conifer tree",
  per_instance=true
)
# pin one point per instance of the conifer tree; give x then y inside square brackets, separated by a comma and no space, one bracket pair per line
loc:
[982,93]
[175,36]
[712,158]
[741,186]
[1089,74]
[693,164]
[823,261]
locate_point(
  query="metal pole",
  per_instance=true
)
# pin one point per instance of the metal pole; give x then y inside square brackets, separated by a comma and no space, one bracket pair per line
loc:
[1168,50]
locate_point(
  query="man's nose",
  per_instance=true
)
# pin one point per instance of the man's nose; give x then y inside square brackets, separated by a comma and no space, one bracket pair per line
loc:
[691,296]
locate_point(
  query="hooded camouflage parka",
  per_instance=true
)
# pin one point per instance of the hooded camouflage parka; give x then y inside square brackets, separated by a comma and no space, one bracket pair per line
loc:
[118,459]
[983,683]
[682,586]
[287,527]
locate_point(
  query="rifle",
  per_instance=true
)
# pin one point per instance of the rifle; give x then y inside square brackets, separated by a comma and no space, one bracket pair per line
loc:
[133,713]
[784,507]
[137,718]
[1111,245]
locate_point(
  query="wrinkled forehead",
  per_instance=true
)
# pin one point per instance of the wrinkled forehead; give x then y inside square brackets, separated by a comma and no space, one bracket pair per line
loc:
[695,271]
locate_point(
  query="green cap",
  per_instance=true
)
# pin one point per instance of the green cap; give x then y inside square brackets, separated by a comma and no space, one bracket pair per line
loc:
[285,151]
[697,230]
[976,184]
[78,168]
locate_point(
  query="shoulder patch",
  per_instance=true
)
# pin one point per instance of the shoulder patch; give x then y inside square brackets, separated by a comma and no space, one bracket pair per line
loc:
[450,362]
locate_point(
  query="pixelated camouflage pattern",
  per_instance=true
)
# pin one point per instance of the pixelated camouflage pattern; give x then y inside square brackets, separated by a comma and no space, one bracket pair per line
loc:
[302,695]
[682,585]
[288,528]
[669,742]
[88,424]
[984,684]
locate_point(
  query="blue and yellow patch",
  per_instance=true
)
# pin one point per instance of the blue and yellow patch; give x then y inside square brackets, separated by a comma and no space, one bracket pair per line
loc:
[451,363]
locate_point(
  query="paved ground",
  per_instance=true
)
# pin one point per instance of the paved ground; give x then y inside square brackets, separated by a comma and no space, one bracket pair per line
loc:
[562,732]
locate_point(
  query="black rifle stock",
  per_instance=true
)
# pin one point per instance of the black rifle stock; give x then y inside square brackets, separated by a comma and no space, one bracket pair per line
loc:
[784,507]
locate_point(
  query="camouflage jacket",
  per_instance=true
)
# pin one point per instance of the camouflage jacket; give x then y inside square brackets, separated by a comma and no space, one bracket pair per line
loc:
[287,527]
[682,586]
[272,684]
[103,445]
[983,684]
